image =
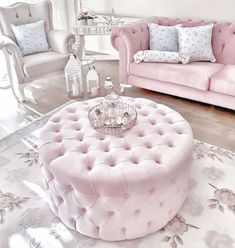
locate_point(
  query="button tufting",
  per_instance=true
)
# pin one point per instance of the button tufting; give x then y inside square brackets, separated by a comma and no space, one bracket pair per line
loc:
[59,139]
[140,134]
[170,121]
[137,212]
[70,187]
[157,160]
[56,120]
[160,132]
[152,191]
[111,213]
[127,147]
[153,122]
[149,146]
[170,144]
[163,113]
[70,110]
[144,113]
[99,194]
[83,210]
[61,153]
[135,160]
[126,195]
[179,132]
[149,224]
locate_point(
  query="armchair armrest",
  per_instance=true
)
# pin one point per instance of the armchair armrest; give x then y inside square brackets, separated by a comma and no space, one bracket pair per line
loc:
[128,40]
[59,40]
[11,48]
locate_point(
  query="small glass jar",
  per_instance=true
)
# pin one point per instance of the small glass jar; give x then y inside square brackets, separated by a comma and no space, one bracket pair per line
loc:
[112,115]
[108,86]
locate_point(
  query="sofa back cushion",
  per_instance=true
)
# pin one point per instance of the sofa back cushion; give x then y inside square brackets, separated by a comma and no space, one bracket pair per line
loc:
[223,38]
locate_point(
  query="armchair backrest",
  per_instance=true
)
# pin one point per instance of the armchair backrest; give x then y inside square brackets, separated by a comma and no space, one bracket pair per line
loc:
[23,13]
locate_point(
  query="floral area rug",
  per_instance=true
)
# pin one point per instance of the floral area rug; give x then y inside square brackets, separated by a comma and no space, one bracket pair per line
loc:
[207,218]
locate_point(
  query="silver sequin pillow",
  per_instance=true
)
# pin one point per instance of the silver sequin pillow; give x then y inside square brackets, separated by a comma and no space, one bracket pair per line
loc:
[31,38]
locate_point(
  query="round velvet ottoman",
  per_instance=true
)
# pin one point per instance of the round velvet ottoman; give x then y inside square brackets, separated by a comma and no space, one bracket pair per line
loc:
[116,188]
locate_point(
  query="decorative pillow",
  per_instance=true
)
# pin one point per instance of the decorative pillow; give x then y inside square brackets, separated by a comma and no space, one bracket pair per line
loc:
[163,38]
[31,38]
[196,42]
[161,56]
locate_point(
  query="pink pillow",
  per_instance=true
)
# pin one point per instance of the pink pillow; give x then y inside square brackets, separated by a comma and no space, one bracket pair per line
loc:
[161,57]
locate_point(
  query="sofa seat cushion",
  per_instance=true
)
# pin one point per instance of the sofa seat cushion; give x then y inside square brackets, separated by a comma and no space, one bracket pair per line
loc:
[224,81]
[196,75]
[43,63]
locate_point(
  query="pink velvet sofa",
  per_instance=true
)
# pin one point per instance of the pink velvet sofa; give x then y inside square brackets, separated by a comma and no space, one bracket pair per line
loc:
[207,82]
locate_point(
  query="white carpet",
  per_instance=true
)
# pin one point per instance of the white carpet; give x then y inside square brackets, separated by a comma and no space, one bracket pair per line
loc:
[207,218]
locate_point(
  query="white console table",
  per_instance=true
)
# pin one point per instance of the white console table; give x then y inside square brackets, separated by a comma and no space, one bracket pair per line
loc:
[99,28]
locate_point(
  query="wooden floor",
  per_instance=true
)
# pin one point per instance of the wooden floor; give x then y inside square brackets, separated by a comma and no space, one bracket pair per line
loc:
[210,124]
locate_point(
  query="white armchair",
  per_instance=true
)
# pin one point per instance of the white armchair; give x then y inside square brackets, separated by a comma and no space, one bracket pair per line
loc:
[23,69]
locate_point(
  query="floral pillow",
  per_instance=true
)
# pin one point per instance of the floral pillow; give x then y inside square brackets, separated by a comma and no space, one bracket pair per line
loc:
[161,56]
[196,42]
[163,38]
[31,38]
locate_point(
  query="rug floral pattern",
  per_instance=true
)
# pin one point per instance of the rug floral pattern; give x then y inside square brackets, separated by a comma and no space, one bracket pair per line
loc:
[207,218]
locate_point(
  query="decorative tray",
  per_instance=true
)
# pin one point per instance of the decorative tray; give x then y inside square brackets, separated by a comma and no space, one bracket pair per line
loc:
[112,121]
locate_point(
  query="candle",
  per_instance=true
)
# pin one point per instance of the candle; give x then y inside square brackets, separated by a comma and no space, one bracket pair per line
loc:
[75,87]
[95,91]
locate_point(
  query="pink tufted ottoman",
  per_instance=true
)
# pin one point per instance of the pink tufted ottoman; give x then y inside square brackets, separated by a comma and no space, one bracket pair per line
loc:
[116,188]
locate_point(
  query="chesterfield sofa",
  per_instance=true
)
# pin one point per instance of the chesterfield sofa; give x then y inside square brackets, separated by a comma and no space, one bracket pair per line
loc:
[212,83]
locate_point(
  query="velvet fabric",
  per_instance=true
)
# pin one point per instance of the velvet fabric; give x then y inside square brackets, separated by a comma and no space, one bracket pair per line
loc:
[43,63]
[224,81]
[196,75]
[116,187]
[134,37]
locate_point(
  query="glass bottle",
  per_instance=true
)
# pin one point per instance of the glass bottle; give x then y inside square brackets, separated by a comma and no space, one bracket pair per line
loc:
[108,86]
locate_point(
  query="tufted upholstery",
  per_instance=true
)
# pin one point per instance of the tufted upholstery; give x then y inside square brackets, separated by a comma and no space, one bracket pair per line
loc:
[134,37]
[116,188]
[23,13]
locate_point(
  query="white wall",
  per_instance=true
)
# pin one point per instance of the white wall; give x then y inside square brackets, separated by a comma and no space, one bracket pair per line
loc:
[221,10]
[202,9]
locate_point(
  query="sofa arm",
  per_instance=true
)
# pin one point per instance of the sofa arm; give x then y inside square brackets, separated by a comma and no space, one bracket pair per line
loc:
[11,48]
[59,40]
[128,40]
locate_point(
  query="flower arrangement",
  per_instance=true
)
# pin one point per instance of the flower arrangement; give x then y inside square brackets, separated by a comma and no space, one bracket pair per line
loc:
[86,16]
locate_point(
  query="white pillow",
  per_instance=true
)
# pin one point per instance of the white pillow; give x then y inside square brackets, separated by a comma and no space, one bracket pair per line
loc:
[31,38]
[196,42]
[163,38]
[161,56]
